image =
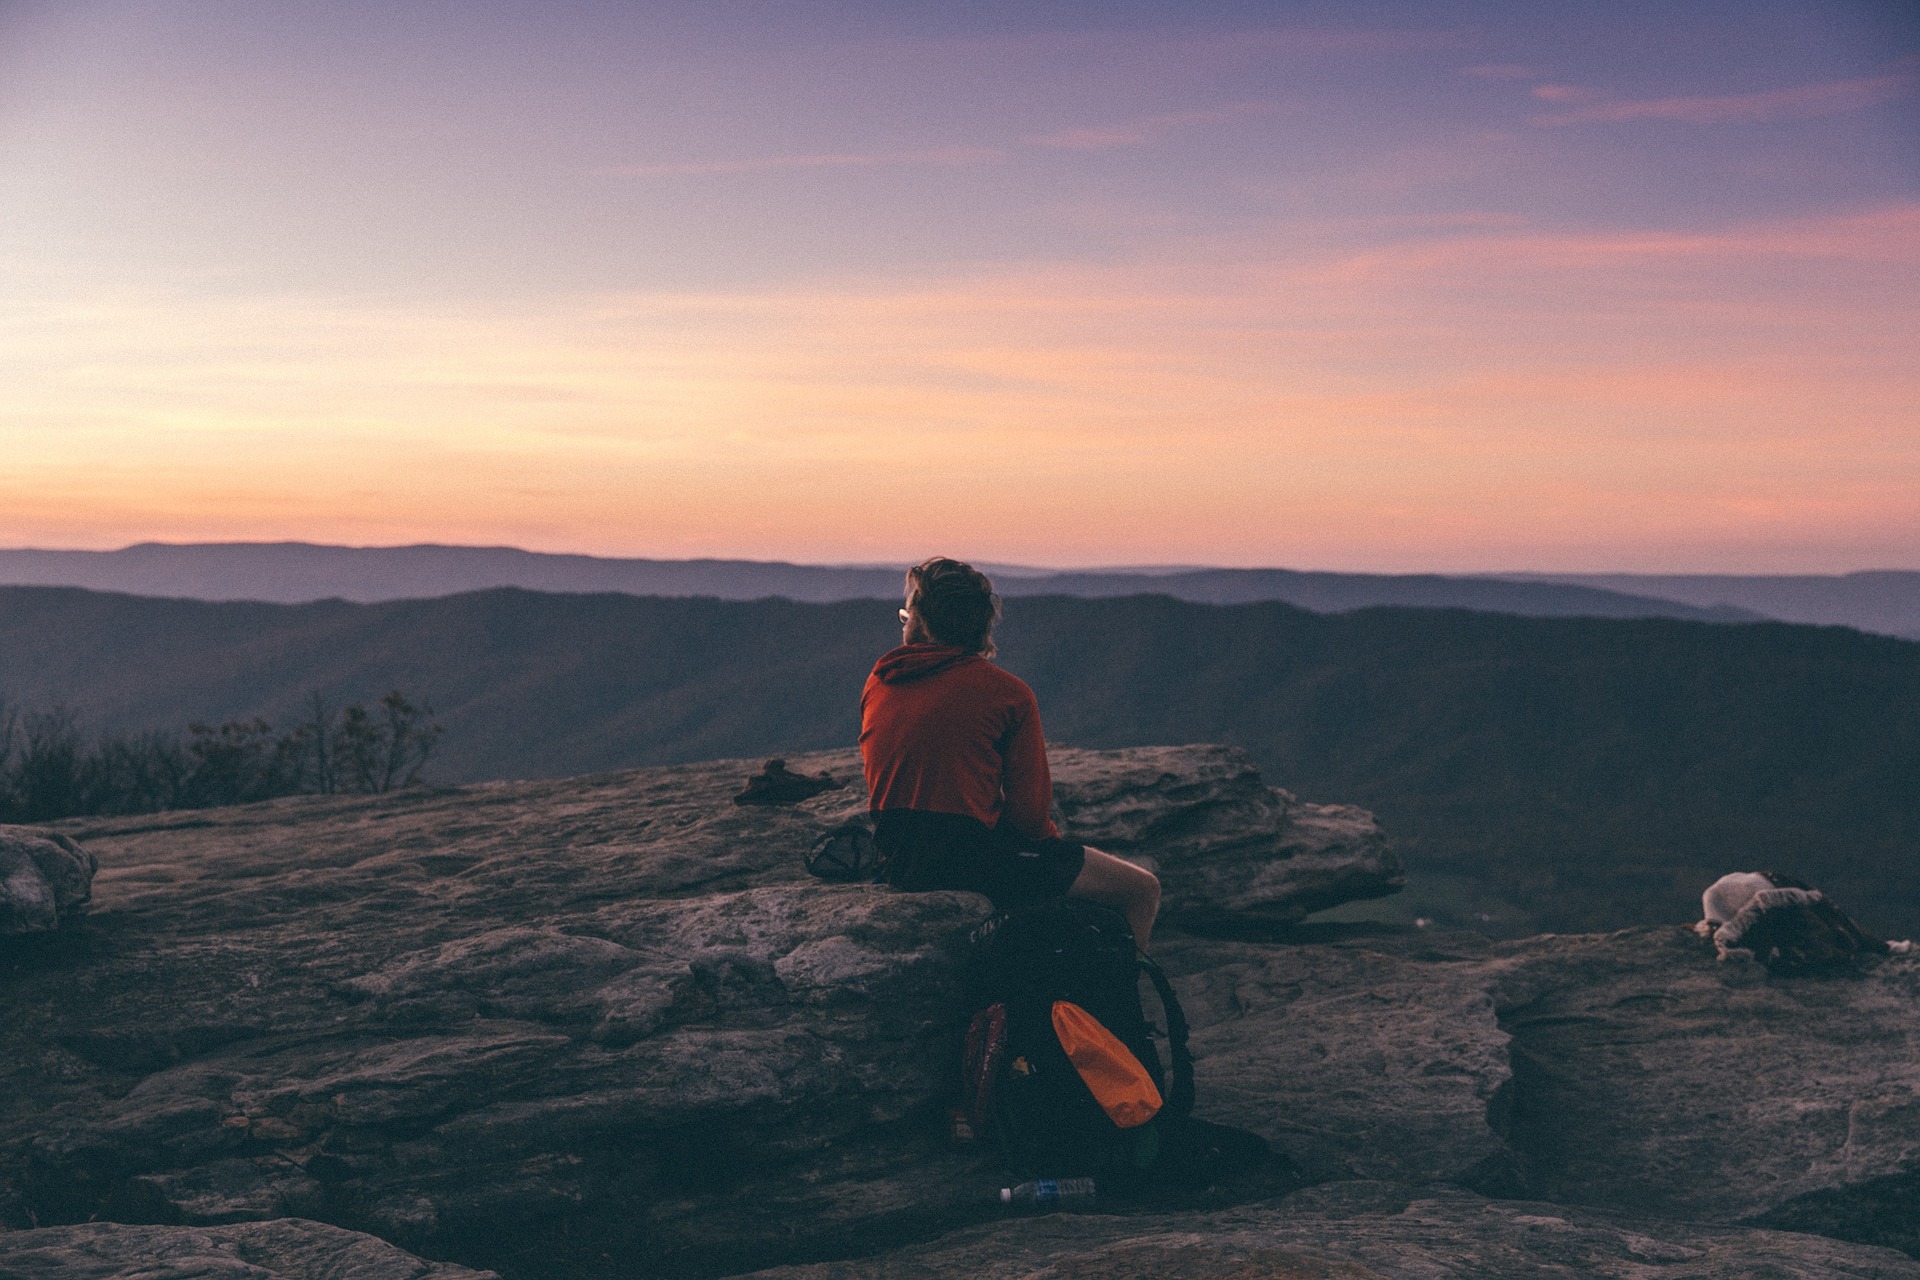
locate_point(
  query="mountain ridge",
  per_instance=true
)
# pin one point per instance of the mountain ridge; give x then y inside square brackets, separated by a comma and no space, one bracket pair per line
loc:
[297,572]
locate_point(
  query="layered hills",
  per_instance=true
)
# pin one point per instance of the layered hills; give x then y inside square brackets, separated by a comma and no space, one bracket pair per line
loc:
[295,572]
[1561,773]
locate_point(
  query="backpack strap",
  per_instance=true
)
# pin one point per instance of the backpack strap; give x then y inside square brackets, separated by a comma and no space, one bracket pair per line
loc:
[1180,1099]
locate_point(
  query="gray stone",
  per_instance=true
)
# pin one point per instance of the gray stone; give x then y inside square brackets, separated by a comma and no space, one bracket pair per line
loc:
[288,1249]
[45,878]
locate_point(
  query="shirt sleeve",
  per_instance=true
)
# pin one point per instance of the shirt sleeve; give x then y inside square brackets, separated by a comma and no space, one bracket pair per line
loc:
[1026,779]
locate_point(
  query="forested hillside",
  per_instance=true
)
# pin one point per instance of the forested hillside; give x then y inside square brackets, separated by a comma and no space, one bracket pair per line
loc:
[1553,773]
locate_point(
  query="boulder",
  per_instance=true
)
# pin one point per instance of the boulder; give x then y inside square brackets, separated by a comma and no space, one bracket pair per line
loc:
[45,878]
[1368,1231]
[1229,849]
[288,1249]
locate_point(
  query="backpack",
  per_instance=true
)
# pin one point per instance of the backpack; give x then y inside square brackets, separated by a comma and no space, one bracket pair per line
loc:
[1059,1065]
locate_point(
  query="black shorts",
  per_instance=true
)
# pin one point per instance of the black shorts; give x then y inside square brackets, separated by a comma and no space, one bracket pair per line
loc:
[922,851]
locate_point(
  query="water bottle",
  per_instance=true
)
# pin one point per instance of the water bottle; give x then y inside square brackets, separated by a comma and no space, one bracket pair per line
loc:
[1050,1193]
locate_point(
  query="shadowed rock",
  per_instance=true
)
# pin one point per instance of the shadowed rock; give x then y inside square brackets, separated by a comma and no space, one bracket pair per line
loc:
[1369,1231]
[288,1249]
[44,879]
[1650,1077]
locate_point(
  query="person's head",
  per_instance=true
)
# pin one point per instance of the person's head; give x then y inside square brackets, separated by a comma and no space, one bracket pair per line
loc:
[951,603]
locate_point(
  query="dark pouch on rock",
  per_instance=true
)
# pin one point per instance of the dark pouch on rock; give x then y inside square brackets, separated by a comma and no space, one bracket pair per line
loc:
[777,784]
[845,855]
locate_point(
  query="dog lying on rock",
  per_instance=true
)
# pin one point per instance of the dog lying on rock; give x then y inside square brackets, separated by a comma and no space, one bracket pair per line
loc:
[1784,923]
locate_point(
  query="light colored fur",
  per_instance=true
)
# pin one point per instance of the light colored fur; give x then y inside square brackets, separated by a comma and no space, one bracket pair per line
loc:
[1726,896]
[1733,902]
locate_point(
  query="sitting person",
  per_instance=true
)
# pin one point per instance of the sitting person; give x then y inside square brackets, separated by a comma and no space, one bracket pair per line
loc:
[957,768]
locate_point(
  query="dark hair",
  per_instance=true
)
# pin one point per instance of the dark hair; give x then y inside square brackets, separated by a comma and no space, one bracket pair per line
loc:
[956,601]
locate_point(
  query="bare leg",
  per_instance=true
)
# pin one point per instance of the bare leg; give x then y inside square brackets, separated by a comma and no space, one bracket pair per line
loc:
[1114,882]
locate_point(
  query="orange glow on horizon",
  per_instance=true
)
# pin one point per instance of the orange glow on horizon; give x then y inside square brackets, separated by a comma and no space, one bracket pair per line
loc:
[1470,397]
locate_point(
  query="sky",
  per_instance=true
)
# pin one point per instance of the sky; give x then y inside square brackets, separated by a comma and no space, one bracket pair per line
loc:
[1361,286]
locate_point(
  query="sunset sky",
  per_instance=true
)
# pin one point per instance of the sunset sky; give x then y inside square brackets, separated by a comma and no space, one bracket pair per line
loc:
[1359,286]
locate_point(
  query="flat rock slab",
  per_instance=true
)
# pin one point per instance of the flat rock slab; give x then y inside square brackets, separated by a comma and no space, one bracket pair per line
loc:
[547,1025]
[1368,1231]
[287,1249]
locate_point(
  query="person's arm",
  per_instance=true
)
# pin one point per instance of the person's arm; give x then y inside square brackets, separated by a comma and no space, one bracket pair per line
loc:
[1026,779]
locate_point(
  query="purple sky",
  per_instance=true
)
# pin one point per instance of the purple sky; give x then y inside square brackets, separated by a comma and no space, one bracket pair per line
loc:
[1368,286]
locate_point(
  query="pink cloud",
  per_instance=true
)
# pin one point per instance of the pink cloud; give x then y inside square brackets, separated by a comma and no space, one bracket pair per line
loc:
[1563,93]
[1798,102]
[945,156]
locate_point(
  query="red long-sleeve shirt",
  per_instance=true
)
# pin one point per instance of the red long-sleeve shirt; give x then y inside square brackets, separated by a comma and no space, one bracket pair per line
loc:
[945,731]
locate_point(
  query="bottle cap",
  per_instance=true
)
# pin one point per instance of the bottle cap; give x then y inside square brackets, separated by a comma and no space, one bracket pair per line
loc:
[1006,1195]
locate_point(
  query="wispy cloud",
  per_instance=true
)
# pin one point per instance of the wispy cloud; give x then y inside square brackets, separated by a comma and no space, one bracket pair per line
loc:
[1500,71]
[1136,133]
[1564,93]
[935,156]
[1797,102]
[1144,132]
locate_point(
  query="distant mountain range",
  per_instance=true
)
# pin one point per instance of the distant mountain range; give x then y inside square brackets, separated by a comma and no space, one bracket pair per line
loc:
[295,573]
[1558,773]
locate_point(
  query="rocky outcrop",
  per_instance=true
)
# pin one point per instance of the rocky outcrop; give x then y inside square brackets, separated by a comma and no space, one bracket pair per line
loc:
[607,1026]
[1649,1077]
[1368,1231]
[530,1024]
[1229,849]
[287,1249]
[45,879]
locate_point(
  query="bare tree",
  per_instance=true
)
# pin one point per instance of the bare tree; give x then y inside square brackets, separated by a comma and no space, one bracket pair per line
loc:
[379,753]
[316,733]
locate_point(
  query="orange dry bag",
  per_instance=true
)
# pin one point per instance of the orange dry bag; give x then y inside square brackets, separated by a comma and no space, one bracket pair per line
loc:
[1123,1088]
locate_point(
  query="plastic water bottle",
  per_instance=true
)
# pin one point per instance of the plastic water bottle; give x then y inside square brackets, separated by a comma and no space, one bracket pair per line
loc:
[1050,1193]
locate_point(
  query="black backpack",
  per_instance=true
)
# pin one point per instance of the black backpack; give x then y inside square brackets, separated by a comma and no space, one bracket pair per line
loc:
[1070,970]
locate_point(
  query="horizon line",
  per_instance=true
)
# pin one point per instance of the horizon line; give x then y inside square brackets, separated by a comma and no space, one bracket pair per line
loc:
[1007,567]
